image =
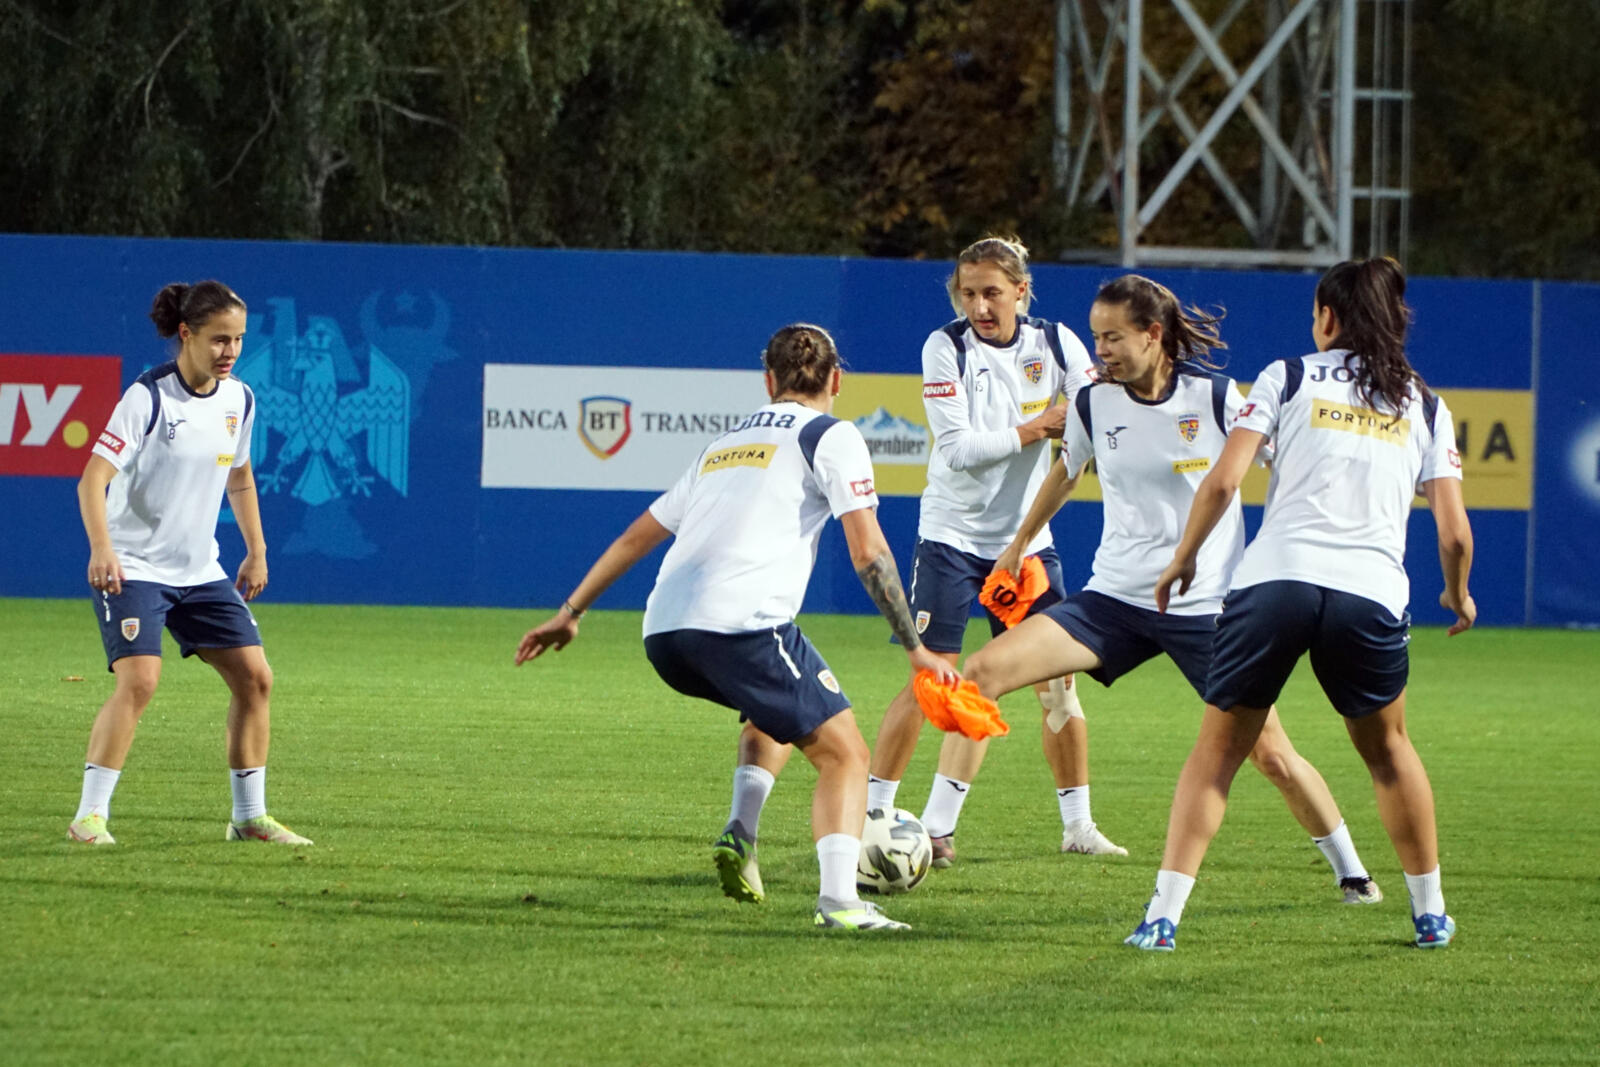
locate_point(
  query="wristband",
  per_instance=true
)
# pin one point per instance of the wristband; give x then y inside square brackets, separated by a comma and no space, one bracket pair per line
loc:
[574,612]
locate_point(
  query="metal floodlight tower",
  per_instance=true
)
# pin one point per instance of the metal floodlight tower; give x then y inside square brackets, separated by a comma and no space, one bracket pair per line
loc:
[1326,173]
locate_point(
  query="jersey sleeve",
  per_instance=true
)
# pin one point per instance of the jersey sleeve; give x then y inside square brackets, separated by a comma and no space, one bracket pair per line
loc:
[944,398]
[1260,411]
[1080,367]
[1232,405]
[241,450]
[124,434]
[669,508]
[1440,457]
[843,468]
[1077,446]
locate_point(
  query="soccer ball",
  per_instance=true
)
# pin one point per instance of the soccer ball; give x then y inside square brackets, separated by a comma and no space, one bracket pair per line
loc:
[895,852]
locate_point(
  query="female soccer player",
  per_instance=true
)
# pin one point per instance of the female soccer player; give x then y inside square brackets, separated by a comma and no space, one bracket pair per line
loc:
[720,622]
[178,437]
[989,380]
[1357,434]
[1153,428]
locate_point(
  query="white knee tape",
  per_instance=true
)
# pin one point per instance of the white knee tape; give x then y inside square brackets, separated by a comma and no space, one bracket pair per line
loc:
[1060,704]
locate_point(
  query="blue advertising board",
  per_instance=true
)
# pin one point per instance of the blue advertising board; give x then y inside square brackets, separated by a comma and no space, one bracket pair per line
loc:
[376,369]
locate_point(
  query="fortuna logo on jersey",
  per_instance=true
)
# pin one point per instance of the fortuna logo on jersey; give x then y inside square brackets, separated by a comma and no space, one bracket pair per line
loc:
[604,424]
[1189,427]
[1033,370]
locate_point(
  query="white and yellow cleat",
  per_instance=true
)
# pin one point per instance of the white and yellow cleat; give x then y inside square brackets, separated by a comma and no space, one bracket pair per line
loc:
[853,915]
[265,828]
[90,830]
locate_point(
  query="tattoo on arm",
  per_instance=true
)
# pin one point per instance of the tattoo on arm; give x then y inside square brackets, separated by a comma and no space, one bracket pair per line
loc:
[882,582]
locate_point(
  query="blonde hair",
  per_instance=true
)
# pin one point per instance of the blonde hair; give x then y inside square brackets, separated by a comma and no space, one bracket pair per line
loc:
[1007,253]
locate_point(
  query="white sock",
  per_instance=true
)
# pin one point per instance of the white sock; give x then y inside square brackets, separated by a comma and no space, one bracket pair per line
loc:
[1427,894]
[837,855]
[1341,853]
[1074,804]
[249,792]
[98,782]
[880,793]
[1172,893]
[939,818]
[751,787]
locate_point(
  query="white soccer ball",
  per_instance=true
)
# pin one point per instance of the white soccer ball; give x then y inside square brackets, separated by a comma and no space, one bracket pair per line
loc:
[895,852]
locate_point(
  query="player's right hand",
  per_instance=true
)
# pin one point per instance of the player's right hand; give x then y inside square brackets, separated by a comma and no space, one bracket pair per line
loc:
[1010,561]
[1178,573]
[556,632]
[1465,610]
[1052,421]
[105,571]
[943,669]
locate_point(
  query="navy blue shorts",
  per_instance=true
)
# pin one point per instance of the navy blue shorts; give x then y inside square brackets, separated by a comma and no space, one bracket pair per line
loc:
[200,616]
[1124,636]
[945,582]
[774,678]
[1358,650]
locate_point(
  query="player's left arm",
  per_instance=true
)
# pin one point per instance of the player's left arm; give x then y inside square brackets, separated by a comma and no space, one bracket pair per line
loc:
[1211,500]
[637,541]
[1441,484]
[252,577]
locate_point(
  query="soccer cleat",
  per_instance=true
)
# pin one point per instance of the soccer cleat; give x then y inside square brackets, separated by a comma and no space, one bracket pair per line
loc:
[90,830]
[735,857]
[1158,936]
[1360,890]
[264,828]
[1434,931]
[853,915]
[944,850]
[1084,837]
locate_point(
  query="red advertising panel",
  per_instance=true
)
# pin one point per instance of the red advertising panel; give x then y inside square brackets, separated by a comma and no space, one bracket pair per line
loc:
[51,410]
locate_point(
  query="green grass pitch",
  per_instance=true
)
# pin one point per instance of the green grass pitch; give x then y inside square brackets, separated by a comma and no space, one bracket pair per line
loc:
[512,866]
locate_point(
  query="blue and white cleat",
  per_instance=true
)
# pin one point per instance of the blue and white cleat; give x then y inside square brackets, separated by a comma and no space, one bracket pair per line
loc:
[1434,931]
[734,853]
[1158,936]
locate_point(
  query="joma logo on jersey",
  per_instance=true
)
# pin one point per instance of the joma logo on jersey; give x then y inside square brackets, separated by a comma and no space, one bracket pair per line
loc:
[1363,421]
[51,409]
[739,456]
[1189,427]
[1033,370]
[604,424]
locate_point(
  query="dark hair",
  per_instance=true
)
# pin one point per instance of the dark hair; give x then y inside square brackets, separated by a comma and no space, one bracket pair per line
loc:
[1368,301]
[1007,253]
[801,358]
[1187,334]
[194,304]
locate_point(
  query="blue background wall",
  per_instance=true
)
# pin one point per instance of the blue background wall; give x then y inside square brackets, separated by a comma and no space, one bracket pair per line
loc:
[440,314]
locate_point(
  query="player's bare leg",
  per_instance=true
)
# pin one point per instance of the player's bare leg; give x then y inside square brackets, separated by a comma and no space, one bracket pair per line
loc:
[249,680]
[1405,803]
[896,742]
[1313,806]
[110,738]
[759,762]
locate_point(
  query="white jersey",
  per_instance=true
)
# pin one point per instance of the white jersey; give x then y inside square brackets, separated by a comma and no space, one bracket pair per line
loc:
[1343,479]
[1150,456]
[173,449]
[748,514]
[980,478]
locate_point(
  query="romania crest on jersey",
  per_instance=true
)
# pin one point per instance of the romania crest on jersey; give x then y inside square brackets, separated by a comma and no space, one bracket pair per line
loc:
[232,419]
[1189,427]
[1033,370]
